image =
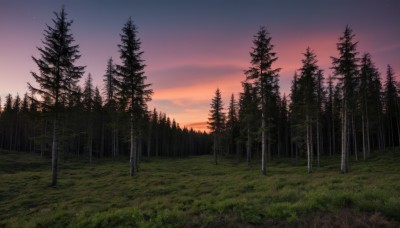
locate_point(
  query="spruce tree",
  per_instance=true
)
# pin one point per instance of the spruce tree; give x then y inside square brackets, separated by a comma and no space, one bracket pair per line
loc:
[265,79]
[345,68]
[58,73]
[133,92]
[232,124]
[308,102]
[216,123]
[392,114]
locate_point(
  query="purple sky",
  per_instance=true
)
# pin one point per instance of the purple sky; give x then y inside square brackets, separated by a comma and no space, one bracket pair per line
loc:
[193,47]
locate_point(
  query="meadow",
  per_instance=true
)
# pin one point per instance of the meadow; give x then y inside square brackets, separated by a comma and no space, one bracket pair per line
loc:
[194,192]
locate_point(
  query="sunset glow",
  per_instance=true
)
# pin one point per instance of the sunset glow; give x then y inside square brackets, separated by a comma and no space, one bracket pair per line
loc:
[191,49]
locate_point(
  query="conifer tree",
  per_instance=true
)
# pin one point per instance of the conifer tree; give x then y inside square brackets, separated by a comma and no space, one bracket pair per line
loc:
[392,114]
[216,123]
[232,124]
[133,92]
[345,68]
[265,79]
[249,114]
[308,103]
[58,73]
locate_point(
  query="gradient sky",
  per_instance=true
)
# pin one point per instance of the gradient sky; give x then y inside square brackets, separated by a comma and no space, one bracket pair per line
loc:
[193,47]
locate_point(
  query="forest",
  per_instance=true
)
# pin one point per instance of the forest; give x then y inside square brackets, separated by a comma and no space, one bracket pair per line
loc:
[328,125]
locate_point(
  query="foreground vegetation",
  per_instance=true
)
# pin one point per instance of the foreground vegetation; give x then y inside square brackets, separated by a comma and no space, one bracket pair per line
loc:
[194,192]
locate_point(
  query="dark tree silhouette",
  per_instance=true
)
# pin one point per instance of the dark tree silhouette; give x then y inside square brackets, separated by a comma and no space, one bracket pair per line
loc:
[265,79]
[133,92]
[58,73]
[216,123]
[345,68]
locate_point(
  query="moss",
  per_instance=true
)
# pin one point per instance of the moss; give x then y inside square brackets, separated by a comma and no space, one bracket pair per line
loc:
[191,191]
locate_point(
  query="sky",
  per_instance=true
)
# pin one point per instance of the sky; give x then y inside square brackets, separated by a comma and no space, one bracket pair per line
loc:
[193,47]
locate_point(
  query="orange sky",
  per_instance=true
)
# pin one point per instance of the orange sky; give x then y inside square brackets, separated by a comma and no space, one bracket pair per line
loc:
[191,48]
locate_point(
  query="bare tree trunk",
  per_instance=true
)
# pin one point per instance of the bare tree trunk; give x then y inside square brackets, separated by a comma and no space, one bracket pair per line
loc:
[90,145]
[149,141]
[318,141]
[343,163]
[54,154]
[368,137]
[133,150]
[138,153]
[353,126]
[364,139]
[263,148]
[215,148]
[102,139]
[248,146]
[308,142]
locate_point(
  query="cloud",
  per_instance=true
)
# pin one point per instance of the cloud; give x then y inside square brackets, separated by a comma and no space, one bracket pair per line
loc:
[190,75]
[198,126]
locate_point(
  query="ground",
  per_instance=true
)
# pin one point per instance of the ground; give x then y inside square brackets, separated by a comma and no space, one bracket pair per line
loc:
[192,191]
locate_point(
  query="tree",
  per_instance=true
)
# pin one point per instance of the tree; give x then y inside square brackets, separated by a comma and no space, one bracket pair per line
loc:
[216,122]
[308,101]
[369,99]
[133,92]
[248,115]
[265,79]
[58,73]
[345,68]
[232,124]
[88,95]
[392,114]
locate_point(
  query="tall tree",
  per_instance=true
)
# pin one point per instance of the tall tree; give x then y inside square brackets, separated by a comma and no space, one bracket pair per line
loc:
[369,99]
[58,73]
[308,103]
[345,68]
[392,114]
[216,123]
[134,93]
[265,79]
[248,115]
[88,95]
[232,124]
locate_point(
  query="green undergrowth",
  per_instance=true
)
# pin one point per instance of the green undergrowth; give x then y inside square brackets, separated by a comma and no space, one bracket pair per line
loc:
[193,191]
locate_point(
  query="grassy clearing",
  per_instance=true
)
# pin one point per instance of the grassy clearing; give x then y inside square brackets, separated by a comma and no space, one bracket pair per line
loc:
[194,192]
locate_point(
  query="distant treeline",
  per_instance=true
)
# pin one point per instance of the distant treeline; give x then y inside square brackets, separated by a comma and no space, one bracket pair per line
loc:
[351,112]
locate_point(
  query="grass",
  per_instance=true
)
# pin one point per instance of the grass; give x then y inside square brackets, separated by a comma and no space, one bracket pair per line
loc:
[194,192]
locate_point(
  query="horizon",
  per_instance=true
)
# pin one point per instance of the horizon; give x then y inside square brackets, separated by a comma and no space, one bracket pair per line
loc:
[190,49]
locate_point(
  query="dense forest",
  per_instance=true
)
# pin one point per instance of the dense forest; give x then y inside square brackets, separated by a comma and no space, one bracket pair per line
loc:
[352,112]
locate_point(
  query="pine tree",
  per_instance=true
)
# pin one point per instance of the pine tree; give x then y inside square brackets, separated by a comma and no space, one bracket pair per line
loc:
[265,79]
[368,98]
[345,68]
[133,91]
[392,114]
[232,124]
[248,116]
[58,73]
[216,123]
[308,91]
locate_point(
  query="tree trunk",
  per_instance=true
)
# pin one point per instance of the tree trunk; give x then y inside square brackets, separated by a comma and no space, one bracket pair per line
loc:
[343,163]
[54,154]
[353,127]
[364,139]
[149,141]
[309,145]
[263,146]
[138,153]
[133,151]
[102,139]
[215,149]
[248,146]
[318,141]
